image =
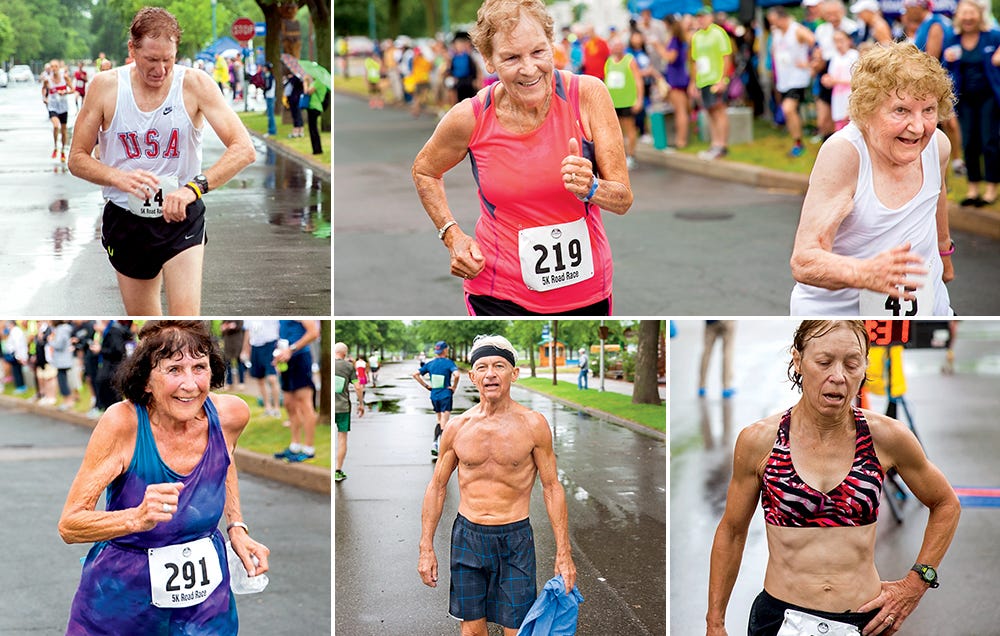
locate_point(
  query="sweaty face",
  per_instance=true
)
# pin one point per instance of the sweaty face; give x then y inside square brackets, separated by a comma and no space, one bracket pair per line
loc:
[522,58]
[493,375]
[154,59]
[832,368]
[900,129]
[179,386]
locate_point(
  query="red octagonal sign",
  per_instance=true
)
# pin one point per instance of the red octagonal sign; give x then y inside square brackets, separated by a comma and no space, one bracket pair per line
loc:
[243,29]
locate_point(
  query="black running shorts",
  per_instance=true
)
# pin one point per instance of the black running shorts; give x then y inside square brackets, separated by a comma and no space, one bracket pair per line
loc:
[138,247]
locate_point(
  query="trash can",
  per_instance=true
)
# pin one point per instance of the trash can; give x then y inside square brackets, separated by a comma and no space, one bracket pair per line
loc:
[658,124]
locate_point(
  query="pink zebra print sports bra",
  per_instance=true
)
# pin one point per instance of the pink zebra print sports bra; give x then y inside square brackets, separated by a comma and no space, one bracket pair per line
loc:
[790,502]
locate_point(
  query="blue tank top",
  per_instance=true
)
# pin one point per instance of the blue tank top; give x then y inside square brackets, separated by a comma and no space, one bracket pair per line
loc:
[202,499]
[292,331]
[114,593]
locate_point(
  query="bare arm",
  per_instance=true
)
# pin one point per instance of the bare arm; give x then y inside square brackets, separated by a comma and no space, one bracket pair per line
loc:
[900,597]
[442,152]
[935,41]
[881,31]
[430,513]
[555,499]
[107,456]
[234,414]
[227,125]
[614,190]
[828,201]
[731,535]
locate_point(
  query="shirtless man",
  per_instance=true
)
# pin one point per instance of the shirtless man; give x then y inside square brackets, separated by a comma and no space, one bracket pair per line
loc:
[148,118]
[498,447]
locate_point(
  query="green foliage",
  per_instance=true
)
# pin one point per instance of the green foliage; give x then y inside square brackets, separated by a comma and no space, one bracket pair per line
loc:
[416,18]
[648,415]
[6,37]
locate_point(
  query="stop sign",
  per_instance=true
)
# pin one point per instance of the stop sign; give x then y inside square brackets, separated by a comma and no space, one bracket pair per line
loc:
[243,29]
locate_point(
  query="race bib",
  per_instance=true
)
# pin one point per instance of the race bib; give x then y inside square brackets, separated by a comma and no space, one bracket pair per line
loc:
[152,206]
[554,256]
[615,79]
[339,382]
[871,303]
[703,65]
[184,574]
[437,381]
[798,623]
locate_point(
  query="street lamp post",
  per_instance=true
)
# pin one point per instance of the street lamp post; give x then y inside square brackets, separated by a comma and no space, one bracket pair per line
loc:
[214,2]
[445,18]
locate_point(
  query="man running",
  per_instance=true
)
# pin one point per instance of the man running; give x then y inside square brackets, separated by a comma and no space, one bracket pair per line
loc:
[148,118]
[80,84]
[444,382]
[55,89]
[498,447]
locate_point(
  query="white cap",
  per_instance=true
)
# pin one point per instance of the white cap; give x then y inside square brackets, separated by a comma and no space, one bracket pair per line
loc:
[811,3]
[865,5]
[582,350]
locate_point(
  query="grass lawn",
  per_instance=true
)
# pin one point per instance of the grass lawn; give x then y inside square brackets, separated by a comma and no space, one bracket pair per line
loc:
[263,434]
[649,415]
[257,121]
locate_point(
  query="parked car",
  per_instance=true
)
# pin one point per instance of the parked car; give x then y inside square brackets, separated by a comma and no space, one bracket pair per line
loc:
[3,78]
[21,73]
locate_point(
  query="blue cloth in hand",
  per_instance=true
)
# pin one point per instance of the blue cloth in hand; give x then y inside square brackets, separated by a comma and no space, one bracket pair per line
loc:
[554,612]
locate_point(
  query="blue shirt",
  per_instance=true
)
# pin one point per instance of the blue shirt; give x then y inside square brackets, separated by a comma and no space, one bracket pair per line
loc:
[554,612]
[440,370]
[292,331]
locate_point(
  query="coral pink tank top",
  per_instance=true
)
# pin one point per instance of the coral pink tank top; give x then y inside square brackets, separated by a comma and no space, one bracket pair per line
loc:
[545,249]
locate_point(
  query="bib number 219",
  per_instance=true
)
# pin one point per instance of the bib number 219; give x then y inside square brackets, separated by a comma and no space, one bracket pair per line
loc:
[554,256]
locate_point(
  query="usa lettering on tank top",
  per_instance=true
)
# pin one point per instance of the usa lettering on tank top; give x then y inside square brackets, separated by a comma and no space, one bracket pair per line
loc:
[163,141]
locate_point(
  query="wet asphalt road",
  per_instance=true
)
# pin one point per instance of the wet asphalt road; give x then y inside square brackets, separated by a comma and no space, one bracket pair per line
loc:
[955,416]
[268,229]
[689,246]
[615,490]
[39,458]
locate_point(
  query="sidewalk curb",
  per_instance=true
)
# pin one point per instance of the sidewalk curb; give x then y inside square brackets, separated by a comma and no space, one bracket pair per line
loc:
[604,415]
[323,169]
[978,221]
[304,476]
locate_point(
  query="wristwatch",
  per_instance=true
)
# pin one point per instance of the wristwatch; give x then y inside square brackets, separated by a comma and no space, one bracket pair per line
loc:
[202,182]
[927,573]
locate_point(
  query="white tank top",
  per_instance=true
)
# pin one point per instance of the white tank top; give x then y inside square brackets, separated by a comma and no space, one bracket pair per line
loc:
[163,141]
[788,53]
[872,228]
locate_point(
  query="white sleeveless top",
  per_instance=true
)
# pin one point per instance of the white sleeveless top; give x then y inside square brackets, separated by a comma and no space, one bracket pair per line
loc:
[872,228]
[163,141]
[788,53]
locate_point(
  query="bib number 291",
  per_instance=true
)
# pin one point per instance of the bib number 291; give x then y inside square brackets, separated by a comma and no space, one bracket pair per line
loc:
[554,256]
[184,574]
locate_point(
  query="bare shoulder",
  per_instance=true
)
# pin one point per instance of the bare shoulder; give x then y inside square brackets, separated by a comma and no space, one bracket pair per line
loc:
[944,145]
[234,413]
[120,418]
[459,121]
[837,155]
[198,81]
[104,81]
[886,430]
[754,443]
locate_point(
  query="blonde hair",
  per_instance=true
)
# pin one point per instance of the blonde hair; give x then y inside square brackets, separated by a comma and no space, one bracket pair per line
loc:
[984,25]
[501,16]
[889,69]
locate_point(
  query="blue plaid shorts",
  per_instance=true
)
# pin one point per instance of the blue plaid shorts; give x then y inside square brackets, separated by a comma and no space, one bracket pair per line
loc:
[492,571]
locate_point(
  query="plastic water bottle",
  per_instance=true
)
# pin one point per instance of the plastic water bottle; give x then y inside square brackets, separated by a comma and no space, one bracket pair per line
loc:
[239,579]
[281,346]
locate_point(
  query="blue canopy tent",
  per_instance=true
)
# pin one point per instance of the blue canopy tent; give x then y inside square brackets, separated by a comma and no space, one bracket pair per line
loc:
[222,44]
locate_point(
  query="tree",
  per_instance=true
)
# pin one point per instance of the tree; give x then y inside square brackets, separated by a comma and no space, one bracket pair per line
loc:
[646,388]
[6,37]
[525,334]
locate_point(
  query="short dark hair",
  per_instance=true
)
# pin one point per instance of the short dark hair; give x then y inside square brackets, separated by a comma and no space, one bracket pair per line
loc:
[161,340]
[154,22]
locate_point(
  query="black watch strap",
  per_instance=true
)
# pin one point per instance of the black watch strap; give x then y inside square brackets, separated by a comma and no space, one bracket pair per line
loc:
[927,573]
